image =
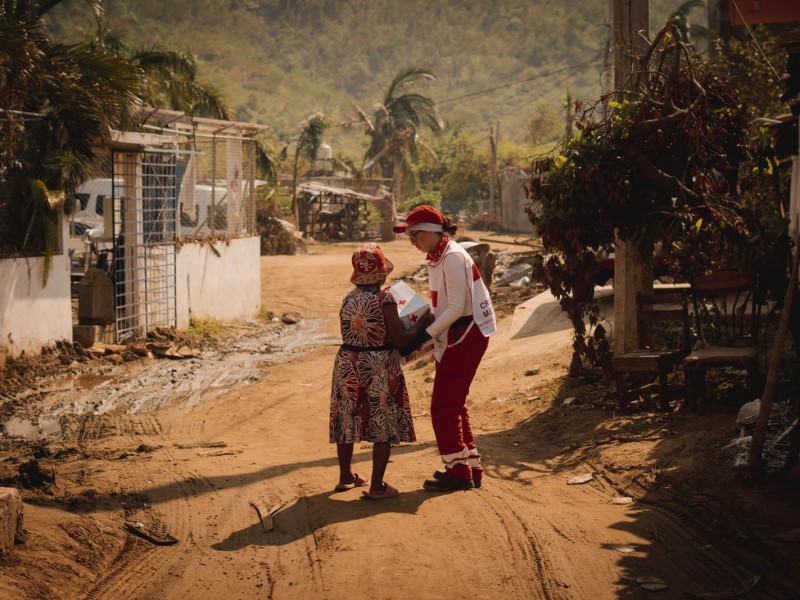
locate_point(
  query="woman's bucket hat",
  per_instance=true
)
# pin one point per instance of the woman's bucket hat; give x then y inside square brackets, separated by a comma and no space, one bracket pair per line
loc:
[369,265]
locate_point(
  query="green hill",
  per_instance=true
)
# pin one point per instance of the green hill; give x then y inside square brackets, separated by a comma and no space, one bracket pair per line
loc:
[278,60]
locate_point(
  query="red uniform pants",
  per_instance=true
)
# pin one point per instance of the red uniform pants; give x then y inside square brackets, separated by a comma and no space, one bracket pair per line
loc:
[449,413]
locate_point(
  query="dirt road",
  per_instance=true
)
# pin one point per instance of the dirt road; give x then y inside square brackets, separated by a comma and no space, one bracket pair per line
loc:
[184,452]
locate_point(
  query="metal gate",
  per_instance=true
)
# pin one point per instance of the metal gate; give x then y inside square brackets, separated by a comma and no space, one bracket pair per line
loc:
[144,241]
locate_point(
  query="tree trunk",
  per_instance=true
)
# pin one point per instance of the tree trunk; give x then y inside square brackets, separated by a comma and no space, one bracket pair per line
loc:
[629,18]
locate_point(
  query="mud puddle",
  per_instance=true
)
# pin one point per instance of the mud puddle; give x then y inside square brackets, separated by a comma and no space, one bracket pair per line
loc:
[148,385]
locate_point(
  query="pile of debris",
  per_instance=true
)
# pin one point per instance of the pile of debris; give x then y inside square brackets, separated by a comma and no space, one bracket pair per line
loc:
[23,371]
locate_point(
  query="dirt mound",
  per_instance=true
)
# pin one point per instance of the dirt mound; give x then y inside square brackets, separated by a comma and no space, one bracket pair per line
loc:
[22,371]
[27,371]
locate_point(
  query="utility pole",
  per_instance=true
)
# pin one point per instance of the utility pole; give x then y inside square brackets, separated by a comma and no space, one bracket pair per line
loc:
[608,81]
[493,168]
[628,18]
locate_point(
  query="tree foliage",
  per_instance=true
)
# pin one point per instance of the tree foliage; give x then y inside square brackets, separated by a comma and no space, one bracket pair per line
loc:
[170,81]
[765,175]
[58,100]
[661,164]
[307,143]
[457,173]
[395,127]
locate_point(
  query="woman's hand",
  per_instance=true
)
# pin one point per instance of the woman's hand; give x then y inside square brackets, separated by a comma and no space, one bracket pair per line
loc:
[402,337]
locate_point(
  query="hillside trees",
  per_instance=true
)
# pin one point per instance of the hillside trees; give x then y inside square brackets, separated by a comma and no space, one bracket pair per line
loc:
[457,177]
[544,125]
[168,75]
[282,60]
[170,81]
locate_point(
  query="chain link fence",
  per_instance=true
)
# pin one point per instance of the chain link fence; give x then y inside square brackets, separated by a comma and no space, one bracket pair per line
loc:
[216,194]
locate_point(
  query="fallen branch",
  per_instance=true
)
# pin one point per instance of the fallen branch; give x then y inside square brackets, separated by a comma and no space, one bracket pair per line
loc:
[202,445]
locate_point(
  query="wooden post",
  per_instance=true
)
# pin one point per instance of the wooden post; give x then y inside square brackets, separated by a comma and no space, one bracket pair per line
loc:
[629,17]
[495,178]
[492,171]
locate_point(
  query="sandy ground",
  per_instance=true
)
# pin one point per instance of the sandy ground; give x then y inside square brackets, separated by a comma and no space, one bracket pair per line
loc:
[186,451]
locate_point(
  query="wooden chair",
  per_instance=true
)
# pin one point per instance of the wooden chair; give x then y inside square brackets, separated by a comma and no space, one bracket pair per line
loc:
[650,308]
[727,319]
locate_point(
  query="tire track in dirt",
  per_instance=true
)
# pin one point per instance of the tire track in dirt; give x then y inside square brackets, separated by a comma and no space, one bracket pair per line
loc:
[163,571]
[525,549]
[706,568]
[724,566]
[564,530]
[677,541]
[574,531]
[130,569]
[151,569]
[117,564]
[312,546]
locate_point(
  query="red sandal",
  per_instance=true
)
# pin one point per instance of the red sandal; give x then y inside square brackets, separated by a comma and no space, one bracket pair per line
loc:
[388,492]
[357,482]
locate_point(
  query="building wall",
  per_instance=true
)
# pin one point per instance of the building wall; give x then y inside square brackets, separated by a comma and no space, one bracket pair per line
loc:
[514,200]
[32,315]
[225,287]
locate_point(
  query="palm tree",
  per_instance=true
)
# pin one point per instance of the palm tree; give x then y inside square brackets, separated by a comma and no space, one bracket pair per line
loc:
[395,125]
[312,130]
[169,76]
[56,102]
[689,31]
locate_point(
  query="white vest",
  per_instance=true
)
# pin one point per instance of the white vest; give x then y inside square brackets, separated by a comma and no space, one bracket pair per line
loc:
[482,309]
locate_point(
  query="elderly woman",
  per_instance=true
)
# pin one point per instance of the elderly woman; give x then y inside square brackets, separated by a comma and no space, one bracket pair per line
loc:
[369,397]
[464,320]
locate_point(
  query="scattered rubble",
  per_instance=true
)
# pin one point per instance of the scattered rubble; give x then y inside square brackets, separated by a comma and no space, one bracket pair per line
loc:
[11,531]
[34,475]
[580,479]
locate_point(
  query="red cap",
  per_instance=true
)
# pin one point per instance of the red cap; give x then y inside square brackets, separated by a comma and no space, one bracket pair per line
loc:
[369,265]
[421,214]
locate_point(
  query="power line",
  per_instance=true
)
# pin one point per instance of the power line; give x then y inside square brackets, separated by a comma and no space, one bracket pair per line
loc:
[529,99]
[512,83]
[747,27]
[566,69]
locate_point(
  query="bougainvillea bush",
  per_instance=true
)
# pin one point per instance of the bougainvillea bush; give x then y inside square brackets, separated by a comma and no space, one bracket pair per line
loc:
[656,161]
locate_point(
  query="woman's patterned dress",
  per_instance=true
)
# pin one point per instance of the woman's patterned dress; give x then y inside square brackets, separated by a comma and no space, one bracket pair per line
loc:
[369,398]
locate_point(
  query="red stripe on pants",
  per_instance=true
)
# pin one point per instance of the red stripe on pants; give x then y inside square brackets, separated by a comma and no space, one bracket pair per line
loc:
[449,413]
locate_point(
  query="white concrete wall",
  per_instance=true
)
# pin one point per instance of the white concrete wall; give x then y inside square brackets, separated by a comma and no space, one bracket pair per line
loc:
[32,315]
[514,200]
[226,287]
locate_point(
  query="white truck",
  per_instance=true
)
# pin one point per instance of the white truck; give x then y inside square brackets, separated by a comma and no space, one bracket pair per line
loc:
[90,223]
[93,206]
